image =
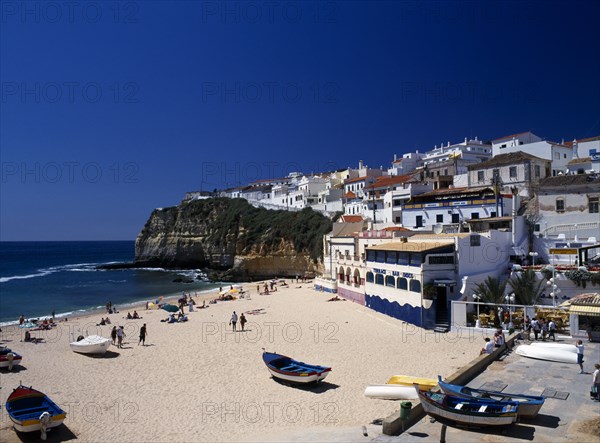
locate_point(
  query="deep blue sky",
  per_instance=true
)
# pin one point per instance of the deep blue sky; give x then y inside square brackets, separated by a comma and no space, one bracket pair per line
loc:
[194,96]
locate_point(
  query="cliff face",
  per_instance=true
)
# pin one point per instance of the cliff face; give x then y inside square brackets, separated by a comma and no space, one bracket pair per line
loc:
[233,237]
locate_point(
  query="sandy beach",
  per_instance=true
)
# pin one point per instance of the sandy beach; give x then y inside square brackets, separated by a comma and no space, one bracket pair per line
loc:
[199,381]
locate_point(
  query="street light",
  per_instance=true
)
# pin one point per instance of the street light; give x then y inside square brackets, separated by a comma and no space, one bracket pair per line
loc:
[533,256]
[510,299]
[553,286]
[477,321]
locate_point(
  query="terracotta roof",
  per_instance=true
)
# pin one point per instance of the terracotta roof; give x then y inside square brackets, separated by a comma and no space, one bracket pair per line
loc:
[512,135]
[569,180]
[580,160]
[398,160]
[411,246]
[357,179]
[590,299]
[387,180]
[350,195]
[583,140]
[397,228]
[352,218]
[450,191]
[510,158]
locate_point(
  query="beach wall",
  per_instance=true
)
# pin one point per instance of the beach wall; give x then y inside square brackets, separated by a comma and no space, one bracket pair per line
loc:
[411,314]
[357,297]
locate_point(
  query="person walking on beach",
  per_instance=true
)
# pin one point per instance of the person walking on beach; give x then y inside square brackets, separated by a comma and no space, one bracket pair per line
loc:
[536,328]
[552,330]
[233,321]
[580,348]
[596,381]
[242,321]
[120,335]
[113,335]
[143,334]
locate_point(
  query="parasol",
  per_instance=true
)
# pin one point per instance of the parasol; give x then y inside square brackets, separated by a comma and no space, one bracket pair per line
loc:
[170,308]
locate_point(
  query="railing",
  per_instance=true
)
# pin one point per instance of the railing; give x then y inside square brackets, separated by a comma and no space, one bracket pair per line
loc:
[571,227]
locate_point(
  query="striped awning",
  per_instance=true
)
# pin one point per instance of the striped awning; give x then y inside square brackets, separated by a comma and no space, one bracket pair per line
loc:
[592,311]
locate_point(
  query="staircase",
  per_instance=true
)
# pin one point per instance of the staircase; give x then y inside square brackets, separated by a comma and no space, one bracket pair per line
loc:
[442,324]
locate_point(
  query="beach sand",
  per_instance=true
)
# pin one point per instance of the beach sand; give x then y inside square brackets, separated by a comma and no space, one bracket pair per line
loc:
[199,381]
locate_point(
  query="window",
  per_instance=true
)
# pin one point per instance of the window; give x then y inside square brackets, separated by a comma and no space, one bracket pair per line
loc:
[379,279]
[441,260]
[493,214]
[403,258]
[475,215]
[369,277]
[415,286]
[593,205]
[560,205]
[419,221]
[503,146]
[445,172]
[380,257]
[479,176]
[397,219]
[370,255]
[538,171]
[402,283]
[475,240]
[390,281]
[455,218]
[416,259]
[564,155]
[512,172]
[496,173]
[390,257]
[557,156]
[439,218]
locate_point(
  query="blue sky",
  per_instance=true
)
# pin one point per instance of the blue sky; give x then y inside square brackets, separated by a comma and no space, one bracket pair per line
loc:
[109,110]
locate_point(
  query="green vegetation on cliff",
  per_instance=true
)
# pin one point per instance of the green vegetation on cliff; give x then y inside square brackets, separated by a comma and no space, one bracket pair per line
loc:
[252,226]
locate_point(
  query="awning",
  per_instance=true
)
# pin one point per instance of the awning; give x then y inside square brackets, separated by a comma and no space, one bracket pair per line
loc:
[444,282]
[592,311]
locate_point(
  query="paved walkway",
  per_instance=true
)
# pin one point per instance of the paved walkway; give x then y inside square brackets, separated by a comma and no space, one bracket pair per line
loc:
[558,421]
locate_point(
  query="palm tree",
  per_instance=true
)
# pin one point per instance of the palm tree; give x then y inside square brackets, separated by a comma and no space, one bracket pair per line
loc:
[527,290]
[491,290]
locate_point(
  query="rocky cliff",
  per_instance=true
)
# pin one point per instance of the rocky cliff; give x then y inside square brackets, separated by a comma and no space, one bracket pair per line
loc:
[230,236]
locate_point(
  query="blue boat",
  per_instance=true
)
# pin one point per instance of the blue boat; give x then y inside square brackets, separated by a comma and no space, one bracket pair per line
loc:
[289,370]
[528,405]
[467,411]
[25,407]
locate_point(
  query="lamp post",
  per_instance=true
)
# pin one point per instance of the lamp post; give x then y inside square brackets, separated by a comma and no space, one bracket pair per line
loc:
[553,286]
[510,299]
[477,321]
[533,256]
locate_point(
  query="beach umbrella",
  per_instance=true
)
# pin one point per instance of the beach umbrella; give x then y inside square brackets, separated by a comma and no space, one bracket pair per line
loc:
[27,325]
[170,308]
[151,305]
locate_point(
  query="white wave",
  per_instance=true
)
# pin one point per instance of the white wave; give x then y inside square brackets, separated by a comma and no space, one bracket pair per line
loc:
[75,267]
[24,277]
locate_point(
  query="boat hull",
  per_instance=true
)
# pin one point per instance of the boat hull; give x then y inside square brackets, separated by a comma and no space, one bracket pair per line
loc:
[292,371]
[424,383]
[93,344]
[25,406]
[467,418]
[35,425]
[528,405]
[297,378]
[391,392]
[556,346]
[4,360]
[543,353]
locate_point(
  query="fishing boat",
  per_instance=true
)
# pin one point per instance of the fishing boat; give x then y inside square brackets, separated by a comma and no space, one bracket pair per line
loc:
[424,383]
[289,370]
[529,405]
[468,412]
[544,353]
[93,344]
[556,346]
[4,361]
[25,407]
[391,392]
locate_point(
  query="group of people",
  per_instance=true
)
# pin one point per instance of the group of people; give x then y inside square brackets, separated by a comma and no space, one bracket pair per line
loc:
[234,320]
[118,334]
[111,309]
[135,316]
[104,321]
[498,340]
[540,326]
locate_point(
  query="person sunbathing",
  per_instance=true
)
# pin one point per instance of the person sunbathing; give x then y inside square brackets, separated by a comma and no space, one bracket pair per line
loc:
[129,317]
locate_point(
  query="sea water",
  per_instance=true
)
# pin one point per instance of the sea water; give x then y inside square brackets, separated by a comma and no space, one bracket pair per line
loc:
[37,278]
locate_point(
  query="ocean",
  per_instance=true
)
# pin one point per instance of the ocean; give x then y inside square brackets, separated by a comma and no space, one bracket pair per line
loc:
[39,277]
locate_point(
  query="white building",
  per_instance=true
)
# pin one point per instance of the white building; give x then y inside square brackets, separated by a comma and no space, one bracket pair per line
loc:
[469,150]
[405,164]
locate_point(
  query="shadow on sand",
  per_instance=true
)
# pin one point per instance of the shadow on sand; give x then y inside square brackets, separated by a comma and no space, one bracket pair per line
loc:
[55,435]
[107,354]
[316,388]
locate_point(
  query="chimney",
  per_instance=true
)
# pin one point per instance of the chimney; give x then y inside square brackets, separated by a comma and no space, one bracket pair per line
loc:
[403,239]
[360,164]
[448,144]
[395,157]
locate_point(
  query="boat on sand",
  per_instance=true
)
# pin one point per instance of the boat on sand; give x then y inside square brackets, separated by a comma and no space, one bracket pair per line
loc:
[30,410]
[289,370]
[545,353]
[93,344]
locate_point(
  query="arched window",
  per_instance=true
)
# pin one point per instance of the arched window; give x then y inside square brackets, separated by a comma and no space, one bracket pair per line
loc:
[390,281]
[341,274]
[415,286]
[379,279]
[369,277]
[402,283]
[357,281]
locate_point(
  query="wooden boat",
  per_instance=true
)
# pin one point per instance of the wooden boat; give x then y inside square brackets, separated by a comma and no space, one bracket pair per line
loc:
[93,344]
[529,405]
[4,358]
[468,412]
[289,370]
[26,405]
[391,392]
[544,353]
[556,346]
[424,383]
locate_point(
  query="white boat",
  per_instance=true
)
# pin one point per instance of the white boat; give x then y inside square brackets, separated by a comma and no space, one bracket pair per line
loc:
[545,353]
[557,346]
[93,344]
[391,392]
